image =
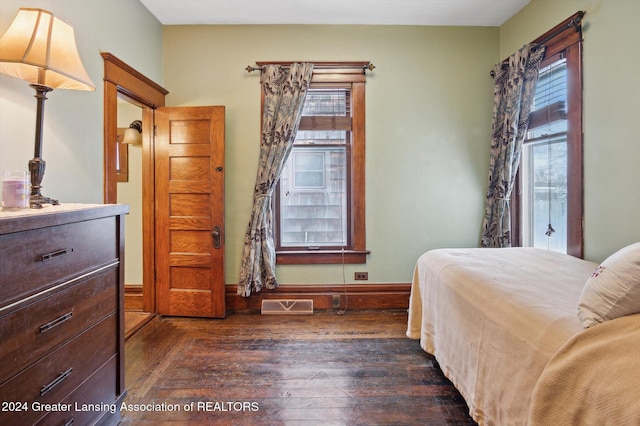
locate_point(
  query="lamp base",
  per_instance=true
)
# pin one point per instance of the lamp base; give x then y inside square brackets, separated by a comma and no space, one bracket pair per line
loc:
[36,199]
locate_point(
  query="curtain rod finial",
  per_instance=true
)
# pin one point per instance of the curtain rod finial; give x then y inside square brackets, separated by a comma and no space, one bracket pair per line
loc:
[251,69]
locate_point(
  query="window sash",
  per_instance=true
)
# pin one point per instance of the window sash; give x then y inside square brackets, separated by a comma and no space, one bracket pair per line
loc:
[550,99]
[544,186]
[326,226]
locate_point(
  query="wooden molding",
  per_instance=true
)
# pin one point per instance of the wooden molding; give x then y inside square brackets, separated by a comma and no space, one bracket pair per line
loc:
[133,297]
[132,83]
[352,296]
[120,78]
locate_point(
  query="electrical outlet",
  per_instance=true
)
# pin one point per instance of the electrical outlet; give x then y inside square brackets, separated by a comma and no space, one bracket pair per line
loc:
[361,276]
[335,301]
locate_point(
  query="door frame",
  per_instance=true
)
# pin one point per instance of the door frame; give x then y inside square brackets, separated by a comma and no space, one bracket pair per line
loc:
[120,78]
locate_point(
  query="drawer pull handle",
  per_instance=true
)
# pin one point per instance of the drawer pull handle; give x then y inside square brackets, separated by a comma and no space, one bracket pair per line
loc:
[56,322]
[54,254]
[46,388]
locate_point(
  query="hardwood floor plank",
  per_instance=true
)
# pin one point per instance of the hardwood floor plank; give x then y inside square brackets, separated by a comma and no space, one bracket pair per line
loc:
[355,369]
[134,321]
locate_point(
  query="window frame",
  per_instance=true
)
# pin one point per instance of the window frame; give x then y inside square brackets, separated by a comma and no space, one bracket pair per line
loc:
[328,75]
[564,39]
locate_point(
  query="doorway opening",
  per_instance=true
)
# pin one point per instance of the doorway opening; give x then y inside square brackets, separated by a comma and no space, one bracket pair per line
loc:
[130,96]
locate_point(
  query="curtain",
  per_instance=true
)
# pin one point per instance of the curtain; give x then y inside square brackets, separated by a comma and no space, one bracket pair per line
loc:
[513,92]
[284,94]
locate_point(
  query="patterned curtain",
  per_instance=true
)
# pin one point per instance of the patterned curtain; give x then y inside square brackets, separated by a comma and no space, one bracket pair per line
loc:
[284,95]
[513,92]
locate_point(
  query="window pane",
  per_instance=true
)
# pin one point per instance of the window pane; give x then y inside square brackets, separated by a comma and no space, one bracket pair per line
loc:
[309,161]
[544,175]
[552,84]
[551,90]
[326,102]
[308,169]
[313,198]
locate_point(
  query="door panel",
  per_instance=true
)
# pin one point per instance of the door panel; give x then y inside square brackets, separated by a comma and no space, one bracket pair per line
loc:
[189,207]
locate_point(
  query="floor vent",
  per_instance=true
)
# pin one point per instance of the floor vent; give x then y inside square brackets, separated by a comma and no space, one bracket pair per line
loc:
[287,307]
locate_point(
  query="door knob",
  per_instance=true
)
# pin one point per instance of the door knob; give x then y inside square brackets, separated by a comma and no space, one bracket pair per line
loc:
[217,237]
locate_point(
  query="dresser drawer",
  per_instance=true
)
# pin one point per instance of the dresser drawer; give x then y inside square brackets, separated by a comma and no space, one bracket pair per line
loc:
[35,259]
[58,374]
[32,330]
[99,391]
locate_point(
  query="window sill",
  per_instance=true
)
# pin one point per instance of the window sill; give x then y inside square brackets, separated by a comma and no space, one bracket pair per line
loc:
[320,257]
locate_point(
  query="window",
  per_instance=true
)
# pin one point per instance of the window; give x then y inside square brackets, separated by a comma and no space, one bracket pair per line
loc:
[548,201]
[313,191]
[320,198]
[544,163]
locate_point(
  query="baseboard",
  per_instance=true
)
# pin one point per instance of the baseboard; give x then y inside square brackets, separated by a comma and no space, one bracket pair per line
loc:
[352,296]
[133,297]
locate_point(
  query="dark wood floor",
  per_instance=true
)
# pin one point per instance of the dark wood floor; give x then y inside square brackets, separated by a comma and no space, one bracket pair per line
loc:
[324,369]
[134,321]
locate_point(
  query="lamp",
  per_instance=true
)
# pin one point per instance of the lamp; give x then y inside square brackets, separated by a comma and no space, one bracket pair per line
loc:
[41,49]
[133,134]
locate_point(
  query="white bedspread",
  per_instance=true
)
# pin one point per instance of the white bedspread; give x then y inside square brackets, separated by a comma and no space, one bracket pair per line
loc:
[493,318]
[594,379]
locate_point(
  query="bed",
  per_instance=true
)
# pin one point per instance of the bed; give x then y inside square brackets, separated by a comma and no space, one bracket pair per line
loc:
[523,335]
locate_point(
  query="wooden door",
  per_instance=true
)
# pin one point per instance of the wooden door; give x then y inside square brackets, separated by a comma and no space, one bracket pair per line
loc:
[189,191]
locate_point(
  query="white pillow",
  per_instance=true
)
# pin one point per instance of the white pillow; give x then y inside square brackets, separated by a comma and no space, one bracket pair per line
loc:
[613,290]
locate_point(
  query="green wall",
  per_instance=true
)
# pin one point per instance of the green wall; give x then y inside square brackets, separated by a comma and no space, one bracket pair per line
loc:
[428,106]
[611,59]
[73,123]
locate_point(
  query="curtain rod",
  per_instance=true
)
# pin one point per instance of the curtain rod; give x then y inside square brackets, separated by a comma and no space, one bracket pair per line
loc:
[574,22]
[365,67]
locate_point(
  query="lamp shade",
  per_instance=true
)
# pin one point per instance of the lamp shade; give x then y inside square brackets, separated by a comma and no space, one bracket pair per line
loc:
[133,135]
[41,49]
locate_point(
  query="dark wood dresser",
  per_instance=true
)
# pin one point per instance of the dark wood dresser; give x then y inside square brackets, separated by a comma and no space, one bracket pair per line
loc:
[62,315]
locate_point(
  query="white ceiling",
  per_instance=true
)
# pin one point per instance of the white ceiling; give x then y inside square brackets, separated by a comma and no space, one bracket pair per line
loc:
[368,12]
